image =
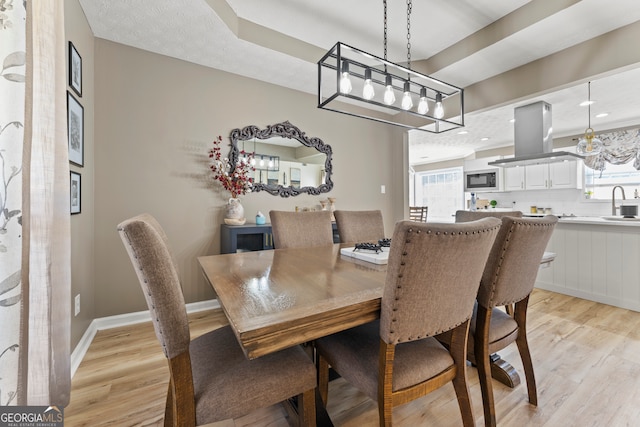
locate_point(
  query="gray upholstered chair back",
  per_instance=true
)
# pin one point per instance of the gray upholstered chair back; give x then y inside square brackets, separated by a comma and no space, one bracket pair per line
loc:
[359,226]
[513,263]
[433,276]
[301,229]
[147,246]
[464,216]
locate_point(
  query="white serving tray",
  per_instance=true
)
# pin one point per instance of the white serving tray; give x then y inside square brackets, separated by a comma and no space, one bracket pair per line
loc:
[369,256]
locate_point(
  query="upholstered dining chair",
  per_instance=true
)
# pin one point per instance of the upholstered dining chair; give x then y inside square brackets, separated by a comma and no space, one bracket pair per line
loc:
[301,229]
[418,213]
[508,278]
[210,377]
[396,359]
[464,216]
[359,226]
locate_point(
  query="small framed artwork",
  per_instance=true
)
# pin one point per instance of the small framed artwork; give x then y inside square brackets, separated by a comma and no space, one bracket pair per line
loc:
[75,70]
[75,193]
[75,129]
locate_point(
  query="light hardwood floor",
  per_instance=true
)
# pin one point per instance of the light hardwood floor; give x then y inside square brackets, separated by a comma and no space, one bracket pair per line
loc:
[586,358]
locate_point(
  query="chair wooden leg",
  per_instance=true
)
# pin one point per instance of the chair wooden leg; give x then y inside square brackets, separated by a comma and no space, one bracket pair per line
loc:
[323,378]
[458,350]
[385,383]
[481,351]
[523,348]
[307,409]
[168,409]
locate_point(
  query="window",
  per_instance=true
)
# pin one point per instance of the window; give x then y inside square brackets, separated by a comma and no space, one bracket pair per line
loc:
[441,190]
[600,187]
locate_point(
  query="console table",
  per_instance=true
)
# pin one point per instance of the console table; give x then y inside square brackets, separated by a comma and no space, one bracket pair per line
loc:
[251,237]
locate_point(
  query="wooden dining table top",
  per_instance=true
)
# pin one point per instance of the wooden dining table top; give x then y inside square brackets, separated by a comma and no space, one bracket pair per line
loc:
[279,298]
[275,299]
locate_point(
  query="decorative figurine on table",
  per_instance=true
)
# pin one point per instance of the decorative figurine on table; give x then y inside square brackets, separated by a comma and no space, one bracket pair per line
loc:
[260,219]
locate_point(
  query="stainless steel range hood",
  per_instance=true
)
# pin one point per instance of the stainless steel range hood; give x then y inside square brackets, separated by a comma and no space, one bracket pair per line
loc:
[533,139]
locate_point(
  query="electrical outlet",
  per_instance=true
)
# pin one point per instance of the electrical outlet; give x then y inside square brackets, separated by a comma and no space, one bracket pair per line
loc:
[77,305]
[383,189]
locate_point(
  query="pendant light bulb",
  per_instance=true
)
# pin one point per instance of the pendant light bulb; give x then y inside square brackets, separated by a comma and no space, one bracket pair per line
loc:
[261,161]
[368,92]
[589,145]
[270,162]
[423,105]
[345,81]
[389,96]
[253,161]
[438,112]
[407,102]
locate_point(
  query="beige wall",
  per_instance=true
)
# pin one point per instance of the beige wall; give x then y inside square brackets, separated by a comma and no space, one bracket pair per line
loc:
[155,118]
[82,225]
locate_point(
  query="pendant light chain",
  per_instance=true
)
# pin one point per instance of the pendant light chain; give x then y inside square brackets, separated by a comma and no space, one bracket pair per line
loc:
[384,2]
[409,7]
[589,105]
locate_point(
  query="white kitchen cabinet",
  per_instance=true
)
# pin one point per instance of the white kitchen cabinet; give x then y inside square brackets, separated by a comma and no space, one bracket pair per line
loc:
[542,177]
[536,177]
[563,175]
[514,178]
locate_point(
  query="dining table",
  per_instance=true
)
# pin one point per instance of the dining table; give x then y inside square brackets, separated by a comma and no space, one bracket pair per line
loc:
[275,299]
[279,298]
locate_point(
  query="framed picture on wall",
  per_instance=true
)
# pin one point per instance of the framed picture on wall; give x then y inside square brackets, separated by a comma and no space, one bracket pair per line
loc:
[75,193]
[75,130]
[75,70]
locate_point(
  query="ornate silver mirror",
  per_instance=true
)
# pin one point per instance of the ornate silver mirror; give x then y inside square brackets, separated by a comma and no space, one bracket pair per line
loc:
[287,161]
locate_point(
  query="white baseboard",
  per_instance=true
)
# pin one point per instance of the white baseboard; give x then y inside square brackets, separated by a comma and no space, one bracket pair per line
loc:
[124,320]
[81,349]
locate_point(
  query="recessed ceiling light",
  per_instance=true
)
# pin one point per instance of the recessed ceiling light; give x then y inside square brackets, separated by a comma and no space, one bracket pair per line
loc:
[602,115]
[484,139]
[463,132]
[512,121]
[586,103]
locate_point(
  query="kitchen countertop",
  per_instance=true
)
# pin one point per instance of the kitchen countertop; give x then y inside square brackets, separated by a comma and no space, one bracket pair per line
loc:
[564,219]
[601,220]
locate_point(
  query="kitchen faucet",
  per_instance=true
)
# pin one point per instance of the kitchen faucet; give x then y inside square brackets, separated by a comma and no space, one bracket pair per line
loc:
[613,198]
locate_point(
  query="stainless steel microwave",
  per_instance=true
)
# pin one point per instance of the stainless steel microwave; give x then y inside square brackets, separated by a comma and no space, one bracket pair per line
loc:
[484,180]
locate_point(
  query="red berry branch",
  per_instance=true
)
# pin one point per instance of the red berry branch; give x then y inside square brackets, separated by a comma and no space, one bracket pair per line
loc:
[237,180]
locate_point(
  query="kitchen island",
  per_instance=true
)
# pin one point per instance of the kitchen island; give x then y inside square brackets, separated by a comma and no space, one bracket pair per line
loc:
[597,259]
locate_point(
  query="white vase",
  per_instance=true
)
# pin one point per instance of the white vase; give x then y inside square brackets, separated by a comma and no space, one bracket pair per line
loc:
[234,212]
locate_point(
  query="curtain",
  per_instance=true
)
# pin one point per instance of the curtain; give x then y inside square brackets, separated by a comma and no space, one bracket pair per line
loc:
[37,289]
[618,148]
[12,88]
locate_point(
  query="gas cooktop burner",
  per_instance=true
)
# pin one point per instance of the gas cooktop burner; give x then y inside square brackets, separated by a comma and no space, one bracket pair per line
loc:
[367,247]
